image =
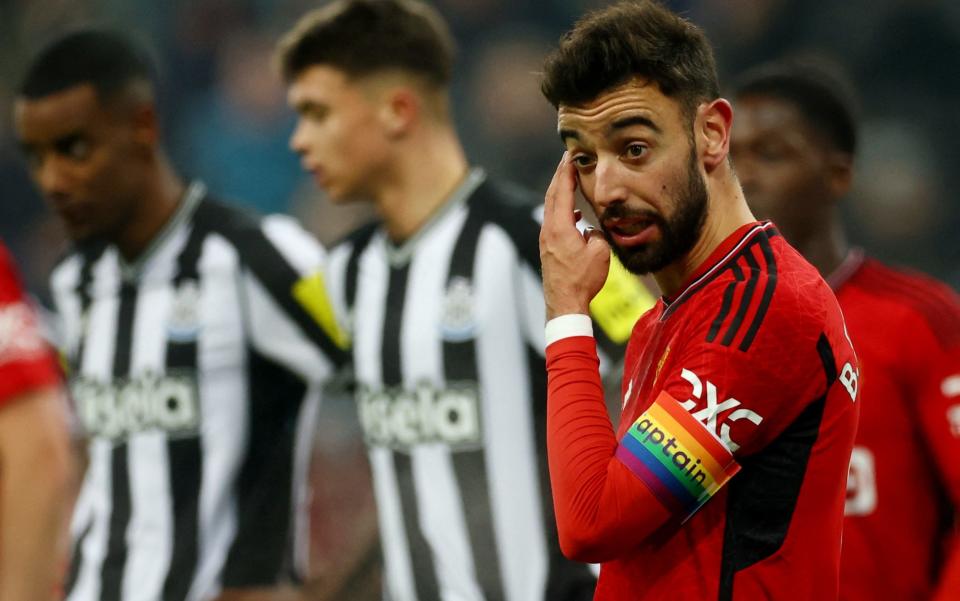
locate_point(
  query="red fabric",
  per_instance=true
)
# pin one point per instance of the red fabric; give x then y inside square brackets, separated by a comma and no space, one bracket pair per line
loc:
[906,462]
[790,488]
[25,362]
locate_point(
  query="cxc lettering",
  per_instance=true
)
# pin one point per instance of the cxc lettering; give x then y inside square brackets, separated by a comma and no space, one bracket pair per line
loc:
[708,415]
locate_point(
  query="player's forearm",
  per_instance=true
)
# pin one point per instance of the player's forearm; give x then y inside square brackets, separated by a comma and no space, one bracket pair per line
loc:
[36,473]
[581,445]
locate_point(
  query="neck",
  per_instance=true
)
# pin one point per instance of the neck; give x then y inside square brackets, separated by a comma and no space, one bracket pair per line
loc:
[159,199]
[824,247]
[726,212]
[425,172]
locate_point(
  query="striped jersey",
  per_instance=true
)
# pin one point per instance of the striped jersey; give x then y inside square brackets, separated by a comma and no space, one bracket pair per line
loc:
[196,374]
[448,345]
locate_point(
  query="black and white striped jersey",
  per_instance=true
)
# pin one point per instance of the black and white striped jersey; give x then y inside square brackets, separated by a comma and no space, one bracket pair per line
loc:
[196,374]
[448,346]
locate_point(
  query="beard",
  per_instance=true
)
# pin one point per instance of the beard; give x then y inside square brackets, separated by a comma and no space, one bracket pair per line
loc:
[678,234]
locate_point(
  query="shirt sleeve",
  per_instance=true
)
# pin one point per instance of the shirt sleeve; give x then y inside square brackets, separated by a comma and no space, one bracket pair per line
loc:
[716,404]
[291,317]
[26,362]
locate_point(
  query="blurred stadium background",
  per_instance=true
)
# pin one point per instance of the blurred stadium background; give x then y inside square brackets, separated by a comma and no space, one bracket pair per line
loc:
[227,123]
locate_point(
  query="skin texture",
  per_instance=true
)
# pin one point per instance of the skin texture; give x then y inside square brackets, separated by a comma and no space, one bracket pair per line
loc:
[98,165]
[792,175]
[385,138]
[631,147]
[34,440]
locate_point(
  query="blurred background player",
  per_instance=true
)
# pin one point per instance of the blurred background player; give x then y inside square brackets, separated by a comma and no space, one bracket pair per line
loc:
[725,477]
[793,146]
[36,461]
[197,338]
[444,306]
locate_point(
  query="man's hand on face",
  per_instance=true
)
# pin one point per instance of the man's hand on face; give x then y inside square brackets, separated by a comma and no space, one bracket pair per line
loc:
[574,265]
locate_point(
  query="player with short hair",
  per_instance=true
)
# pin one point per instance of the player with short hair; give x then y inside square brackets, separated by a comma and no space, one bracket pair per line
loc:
[36,461]
[794,147]
[198,337]
[444,306]
[725,478]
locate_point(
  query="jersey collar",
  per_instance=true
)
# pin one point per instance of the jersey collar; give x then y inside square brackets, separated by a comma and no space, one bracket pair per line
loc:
[194,193]
[399,255]
[850,265]
[718,259]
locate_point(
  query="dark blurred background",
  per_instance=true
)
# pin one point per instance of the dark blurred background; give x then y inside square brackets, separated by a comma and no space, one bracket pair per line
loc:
[227,122]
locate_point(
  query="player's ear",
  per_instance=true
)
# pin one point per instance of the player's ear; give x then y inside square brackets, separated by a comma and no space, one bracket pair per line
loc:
[840,173]
[145,124]
[712,130]
[399,111]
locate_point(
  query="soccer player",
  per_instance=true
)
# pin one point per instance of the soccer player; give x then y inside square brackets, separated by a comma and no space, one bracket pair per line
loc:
[36,462]
[445,310]
[725,478]
[197,338]
[793,147]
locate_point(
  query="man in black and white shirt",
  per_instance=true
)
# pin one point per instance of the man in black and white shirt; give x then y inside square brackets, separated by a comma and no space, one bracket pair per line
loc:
[444,307]
[198,338]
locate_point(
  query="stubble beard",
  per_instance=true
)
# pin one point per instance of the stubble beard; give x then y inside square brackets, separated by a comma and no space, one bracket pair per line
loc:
[678,234]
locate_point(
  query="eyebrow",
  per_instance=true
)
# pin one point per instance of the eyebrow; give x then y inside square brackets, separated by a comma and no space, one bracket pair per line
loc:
[619,124]
[634,120]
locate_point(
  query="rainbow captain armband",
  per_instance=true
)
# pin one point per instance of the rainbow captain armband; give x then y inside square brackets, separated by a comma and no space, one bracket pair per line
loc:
[681,462]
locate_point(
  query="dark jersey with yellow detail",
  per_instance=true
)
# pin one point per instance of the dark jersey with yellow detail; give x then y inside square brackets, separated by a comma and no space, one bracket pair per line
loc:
[196,374]
[448,350]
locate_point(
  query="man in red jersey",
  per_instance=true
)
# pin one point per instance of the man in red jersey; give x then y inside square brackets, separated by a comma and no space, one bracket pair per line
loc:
[793,148]
[726,476]
[35,458]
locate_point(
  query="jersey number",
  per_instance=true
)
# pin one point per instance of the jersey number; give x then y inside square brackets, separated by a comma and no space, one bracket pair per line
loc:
[861,483]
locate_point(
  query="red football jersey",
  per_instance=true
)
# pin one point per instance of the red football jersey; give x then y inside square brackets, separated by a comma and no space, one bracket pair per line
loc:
[739,417]
[25,362]
[904,480]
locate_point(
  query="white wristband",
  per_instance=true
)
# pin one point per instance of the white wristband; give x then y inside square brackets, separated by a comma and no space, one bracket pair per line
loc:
[566,326]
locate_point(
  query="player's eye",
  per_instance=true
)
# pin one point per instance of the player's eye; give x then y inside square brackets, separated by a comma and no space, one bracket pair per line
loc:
[582,161]
[74,147]
[635,150]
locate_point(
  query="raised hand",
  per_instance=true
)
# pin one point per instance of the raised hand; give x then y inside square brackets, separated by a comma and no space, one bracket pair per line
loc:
[574,265]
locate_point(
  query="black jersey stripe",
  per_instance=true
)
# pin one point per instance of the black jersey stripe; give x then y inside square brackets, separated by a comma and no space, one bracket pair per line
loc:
[358,241]
[470,466]
[275,273]
[825,351]
[746,299]
[88,259]
[768,290]
[114,562]
[727,304]
[719,269]
[259,553]
[764,495]
[185,455]
[421,556]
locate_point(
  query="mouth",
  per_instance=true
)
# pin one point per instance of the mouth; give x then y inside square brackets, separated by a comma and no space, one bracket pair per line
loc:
[631,232]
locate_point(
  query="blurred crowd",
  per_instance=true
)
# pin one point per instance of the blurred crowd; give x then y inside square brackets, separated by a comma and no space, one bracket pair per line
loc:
[224,105]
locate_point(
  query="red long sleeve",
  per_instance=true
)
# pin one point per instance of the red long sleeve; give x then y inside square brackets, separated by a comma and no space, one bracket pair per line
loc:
[602,509]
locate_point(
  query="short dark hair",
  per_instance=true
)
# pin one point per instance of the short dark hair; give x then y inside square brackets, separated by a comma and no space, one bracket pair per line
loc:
[104,58]
[611,46]
[818,89]
[362,37]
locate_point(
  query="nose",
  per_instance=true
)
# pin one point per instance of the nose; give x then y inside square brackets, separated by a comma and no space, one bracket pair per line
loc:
[51,177]
[609,185]
[298,138]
